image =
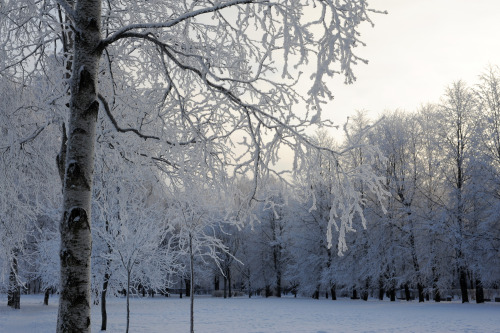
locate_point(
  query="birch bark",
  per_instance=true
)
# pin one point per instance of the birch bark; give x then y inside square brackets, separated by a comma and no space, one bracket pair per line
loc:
[76,239]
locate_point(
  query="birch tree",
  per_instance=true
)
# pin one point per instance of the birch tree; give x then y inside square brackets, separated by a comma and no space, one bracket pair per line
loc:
[216,66]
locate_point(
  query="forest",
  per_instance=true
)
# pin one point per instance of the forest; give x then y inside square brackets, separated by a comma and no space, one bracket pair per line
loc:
[141,149]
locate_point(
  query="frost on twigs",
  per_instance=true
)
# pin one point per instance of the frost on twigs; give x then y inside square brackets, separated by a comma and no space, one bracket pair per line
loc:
[340,178]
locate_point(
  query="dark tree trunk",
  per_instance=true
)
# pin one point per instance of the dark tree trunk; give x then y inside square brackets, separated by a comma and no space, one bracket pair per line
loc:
[46,296]
[229,283]
[104,314]
[334,293]
[437,295]
[392,294]
[14,292]
[128,302]
[187,283]
[216,282]
[355,294]
[479,291]
[268,290]
[407,292]
[225,286]
[463,285]
[381,290]
[364,295]
[278,284]
[421,296]
[249,288]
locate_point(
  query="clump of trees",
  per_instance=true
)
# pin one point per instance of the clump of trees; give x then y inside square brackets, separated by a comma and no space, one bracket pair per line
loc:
[193,80]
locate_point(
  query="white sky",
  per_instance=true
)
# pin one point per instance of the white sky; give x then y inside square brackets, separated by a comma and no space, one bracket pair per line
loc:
[416,51]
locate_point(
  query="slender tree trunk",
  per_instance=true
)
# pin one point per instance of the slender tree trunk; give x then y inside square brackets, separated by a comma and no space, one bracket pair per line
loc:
[128,301]
[75,225]
[191,284]
[278,283]
[104,314]
[479,292]
[216,283]
[14,292]
[437,294]
[46,296]
[225,285]
[229,283]
[463,285]
[187,284]
[249,286]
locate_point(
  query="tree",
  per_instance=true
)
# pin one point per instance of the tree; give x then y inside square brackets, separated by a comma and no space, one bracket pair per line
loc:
[29,191]
[196,213]
[401,144]
[459,109]
[139,250]
[217,74]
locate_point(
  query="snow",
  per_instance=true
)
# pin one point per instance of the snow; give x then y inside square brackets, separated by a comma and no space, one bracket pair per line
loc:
[301,315]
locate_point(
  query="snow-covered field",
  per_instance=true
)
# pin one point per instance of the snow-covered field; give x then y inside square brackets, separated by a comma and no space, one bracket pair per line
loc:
[161,314]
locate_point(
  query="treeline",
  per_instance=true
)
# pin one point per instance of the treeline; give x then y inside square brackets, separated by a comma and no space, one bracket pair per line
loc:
[433,228]
[436,233]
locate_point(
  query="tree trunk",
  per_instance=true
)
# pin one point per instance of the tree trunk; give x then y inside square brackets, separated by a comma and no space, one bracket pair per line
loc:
[225,286]
[14,292]
[75,225]
[128,301]
[407,292]
[249,287]
[191,283]
[381,290]
[421,296]
[268,290]
[479,292]
[216,283]
[278,284]
[392,294]
[229,283]
[104,314]
[46,296]
[463,285]
[333,292]
[187,284]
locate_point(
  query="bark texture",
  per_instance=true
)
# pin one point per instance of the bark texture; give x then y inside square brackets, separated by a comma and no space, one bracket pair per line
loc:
[76,239]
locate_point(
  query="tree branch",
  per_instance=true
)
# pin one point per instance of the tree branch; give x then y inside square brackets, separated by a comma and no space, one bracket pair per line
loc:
[104,103]
[121,33]
[67,9]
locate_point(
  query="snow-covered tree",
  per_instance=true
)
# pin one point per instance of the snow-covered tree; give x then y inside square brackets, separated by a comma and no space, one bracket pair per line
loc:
[458,121]
[29,186]
[214,64]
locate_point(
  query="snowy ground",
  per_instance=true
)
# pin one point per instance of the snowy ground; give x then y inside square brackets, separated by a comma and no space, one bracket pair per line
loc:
[240,315]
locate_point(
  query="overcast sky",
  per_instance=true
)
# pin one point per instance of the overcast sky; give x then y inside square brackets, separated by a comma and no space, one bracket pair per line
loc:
[416,51]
